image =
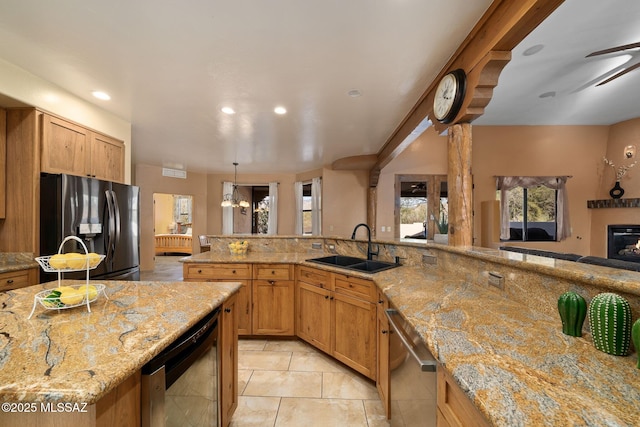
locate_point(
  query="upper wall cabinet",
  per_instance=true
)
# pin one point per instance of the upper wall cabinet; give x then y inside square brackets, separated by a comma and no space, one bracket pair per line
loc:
[3,162]
[75,150]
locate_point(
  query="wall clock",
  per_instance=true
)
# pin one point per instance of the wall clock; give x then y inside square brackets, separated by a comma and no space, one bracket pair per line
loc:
[449,96]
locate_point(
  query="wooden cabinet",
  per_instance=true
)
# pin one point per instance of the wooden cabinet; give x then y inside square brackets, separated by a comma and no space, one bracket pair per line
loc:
[383,370]
[265,300]
[354,340]
[273,300]
[336,314]
[3,162]
[18,279]
[455,409]
[314,308]
[74,150]
[228,360]
[200,272]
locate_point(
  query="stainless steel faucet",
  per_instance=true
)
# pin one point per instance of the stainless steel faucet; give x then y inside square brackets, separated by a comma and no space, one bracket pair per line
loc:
[370,252]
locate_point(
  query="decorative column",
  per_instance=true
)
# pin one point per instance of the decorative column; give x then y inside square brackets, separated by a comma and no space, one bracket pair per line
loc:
[372,205]
[460,184]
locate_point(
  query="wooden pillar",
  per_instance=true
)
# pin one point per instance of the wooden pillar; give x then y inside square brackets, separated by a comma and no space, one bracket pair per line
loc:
[459,181]
[372,205]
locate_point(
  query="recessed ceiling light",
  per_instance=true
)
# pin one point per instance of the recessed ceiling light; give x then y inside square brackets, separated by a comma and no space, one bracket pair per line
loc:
[228,110]
[280,110]
[354,93]
[533,50]
[101,95]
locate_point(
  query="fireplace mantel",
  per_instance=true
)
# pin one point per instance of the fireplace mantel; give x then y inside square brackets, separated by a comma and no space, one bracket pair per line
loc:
[613,203]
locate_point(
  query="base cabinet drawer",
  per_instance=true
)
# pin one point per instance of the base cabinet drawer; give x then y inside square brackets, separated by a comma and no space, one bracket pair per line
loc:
[18,279]
[203,272]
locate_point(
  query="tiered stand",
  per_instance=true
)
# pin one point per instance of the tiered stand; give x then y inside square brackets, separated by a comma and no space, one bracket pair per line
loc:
[49,300]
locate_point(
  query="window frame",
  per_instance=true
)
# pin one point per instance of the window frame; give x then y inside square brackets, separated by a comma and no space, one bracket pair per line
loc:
[525,220]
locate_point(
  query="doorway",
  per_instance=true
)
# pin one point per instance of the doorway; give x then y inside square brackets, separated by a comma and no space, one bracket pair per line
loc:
[421,208]
[255,218]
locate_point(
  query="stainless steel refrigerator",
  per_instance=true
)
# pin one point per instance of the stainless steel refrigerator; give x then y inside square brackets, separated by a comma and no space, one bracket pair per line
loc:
[105,215]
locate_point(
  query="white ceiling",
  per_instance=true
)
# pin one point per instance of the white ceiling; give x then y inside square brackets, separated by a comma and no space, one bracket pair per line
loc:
[170,66]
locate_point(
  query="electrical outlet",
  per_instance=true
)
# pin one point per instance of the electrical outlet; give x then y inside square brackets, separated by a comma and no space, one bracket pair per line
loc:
[316,245]
[332,247]
[429,259]
[496,279]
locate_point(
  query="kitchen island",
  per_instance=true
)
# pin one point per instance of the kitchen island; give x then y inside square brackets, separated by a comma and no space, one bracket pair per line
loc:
[504,347]
[90,361]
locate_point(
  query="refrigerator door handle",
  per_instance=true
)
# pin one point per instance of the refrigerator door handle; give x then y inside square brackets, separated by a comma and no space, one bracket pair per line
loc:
[116,214]
[111,226]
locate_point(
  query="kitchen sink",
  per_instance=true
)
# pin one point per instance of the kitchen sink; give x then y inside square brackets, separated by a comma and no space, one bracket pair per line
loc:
[354,263]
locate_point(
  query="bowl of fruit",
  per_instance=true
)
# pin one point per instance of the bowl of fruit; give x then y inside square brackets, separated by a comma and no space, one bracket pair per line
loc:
[239,248]
[70,261]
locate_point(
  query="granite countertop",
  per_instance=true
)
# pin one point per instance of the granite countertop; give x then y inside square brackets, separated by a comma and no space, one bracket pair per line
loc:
[13,261]
[78,356]
[513,361]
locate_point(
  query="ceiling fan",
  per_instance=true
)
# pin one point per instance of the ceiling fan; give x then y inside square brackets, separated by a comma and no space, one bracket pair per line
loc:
[613,50]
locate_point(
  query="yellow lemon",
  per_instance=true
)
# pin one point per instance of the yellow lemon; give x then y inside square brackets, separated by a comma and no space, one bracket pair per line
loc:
[76,261]
[71,297]
[58,261]
[91,290]
[94,259]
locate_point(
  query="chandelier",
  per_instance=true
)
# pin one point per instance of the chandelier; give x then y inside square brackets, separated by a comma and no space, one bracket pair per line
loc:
[233,199]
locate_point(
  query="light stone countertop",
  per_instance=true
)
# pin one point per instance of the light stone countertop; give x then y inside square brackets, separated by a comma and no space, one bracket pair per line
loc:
[74,355]
[512,360]
[13,261]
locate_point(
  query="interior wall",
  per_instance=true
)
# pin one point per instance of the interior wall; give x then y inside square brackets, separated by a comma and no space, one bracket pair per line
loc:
[32,91]
[620,135]
[150,180]
[163,212]
[426,155]
[542,151]
[344,201]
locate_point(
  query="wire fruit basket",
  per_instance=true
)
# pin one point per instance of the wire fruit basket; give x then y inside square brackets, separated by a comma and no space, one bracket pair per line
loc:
[64,297]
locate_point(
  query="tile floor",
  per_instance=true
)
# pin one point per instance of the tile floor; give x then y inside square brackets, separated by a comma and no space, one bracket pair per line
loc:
[287,383]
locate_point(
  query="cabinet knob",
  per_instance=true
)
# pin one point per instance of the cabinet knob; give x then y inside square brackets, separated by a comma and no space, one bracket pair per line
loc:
[326,297]
[331,298]
[199,271]
[380,301]
[227,310]
[384,331]
[233,271]
[273,272]
[10,281]
[272,282]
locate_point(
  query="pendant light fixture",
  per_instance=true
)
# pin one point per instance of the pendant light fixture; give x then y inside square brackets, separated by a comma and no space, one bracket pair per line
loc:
[233,199]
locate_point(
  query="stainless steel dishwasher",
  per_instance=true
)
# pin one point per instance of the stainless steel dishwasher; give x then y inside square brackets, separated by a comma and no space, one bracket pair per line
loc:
[413,376]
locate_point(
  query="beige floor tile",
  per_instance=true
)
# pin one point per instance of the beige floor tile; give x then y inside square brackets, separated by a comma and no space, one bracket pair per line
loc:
[296,412]
[315,362]
[250,344]
[285,384]
[255,411]
[243,378]
[375,413]
[289,345]
[347,386]
[264,360]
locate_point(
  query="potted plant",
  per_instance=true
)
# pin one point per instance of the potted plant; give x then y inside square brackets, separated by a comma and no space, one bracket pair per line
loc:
[442,236]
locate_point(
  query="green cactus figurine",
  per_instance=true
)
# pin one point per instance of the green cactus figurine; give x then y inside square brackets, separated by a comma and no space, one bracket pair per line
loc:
[610,322]
[573,310]
[635,334]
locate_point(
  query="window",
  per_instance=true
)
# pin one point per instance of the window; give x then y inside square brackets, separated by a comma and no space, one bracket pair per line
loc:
[307,210]
[421,208]
[533,208]
[532,213]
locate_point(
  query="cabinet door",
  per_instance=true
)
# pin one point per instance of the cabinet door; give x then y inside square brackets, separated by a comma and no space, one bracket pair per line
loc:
[65,147]
[273,307]
[314,315]
[354,341]
[3,162]
[107,158]
[382,373]
[244,308]
[228,360]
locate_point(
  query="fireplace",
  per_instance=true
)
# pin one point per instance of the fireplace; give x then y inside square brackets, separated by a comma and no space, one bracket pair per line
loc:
[623,242]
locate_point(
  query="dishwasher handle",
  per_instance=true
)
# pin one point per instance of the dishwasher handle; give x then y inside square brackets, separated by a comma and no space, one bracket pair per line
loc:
[426,364]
